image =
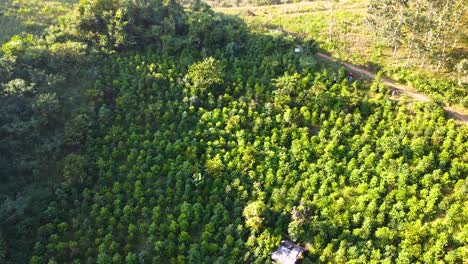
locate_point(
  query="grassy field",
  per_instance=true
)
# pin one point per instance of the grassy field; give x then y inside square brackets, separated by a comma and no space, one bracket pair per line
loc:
[354,42]
[29,16]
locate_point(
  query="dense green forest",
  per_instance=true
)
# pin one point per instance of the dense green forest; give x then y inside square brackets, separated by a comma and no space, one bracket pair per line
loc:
[151,132]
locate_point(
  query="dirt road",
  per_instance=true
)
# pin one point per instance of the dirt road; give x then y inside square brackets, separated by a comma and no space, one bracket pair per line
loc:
[402,89]
[460,117]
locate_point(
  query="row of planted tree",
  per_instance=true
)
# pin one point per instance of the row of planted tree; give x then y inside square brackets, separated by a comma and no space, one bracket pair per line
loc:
[217,160]
[214,149]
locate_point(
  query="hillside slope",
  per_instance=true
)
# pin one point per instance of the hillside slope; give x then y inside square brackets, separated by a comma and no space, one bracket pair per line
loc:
[196,139]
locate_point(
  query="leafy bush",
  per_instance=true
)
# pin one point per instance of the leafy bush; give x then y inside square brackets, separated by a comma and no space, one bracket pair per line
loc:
[74,169]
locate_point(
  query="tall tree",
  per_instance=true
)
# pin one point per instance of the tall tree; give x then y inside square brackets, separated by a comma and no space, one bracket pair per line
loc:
[332,22]
[447,25]
[413,21]
[387,17]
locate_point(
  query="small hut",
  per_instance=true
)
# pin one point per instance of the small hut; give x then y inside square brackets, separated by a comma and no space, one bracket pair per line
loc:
[288,253]
[298,49]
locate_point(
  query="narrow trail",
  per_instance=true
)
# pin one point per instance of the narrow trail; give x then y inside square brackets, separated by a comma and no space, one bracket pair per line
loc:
[402,89]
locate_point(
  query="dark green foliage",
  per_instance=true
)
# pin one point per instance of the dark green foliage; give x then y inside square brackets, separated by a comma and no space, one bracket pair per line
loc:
[114,24]
[74,169]
[3,249]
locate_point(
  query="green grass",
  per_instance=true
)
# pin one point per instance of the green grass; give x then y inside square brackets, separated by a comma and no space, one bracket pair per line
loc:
[312,18]
[30,16]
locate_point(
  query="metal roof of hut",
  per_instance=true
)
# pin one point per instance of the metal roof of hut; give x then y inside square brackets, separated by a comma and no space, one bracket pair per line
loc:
[297,49]
[288,253]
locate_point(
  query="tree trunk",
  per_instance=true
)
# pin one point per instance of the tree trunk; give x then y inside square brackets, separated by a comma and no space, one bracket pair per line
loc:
[398,31]
[410,52]
[427,47]
[423,59]
[330,30]
[455,42]
[413,28]
[439,62]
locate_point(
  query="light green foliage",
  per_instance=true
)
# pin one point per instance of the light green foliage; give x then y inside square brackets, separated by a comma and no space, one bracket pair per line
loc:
[30,16]
[232,3]
[214,166]
[17,87]
[103,22]
[206,76]
[254,214]
[17,44]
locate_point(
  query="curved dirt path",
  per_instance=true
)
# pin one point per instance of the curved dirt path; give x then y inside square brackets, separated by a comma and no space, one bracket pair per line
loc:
[402,89]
